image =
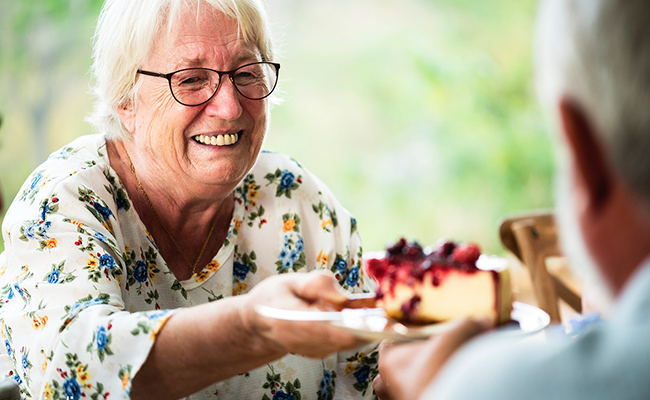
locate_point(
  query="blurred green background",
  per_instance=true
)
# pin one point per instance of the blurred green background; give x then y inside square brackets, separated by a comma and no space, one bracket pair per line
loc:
[419,114]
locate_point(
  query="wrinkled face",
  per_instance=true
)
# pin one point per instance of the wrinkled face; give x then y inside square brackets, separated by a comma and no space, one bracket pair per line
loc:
[176,140]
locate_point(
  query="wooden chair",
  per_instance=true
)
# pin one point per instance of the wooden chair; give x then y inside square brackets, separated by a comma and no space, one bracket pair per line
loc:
[533,239]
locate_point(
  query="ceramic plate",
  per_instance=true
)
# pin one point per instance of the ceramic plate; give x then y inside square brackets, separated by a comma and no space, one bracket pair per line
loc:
[373,324]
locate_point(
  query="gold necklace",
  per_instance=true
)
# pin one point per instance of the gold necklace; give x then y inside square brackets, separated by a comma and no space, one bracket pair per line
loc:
[160,221]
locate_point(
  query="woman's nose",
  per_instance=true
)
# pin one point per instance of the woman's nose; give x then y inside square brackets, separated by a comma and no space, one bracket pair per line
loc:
[225,104]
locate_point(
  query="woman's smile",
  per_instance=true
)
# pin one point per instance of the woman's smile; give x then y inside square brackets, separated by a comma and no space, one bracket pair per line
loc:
[219,139]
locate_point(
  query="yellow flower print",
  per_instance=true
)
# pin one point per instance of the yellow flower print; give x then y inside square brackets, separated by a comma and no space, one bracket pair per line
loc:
[25,269]
[360,356]
[151,269]
[51,243]
[44,366]
[237,225]
[252,192]
[349,368]
[289,224]
[213,266]
[48,392]
[239,288]
[125,379]
[92,263]
[39,323]
[201,276]
[82,373]
[77,223]
[3,269]
[108,225]
[322,258]
[326,222]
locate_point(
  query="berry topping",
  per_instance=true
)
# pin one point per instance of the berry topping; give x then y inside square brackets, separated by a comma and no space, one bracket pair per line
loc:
[397,247]
[445,249]
[466,253]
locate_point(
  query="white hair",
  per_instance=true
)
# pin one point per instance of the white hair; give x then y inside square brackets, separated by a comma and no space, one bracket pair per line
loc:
[596,53]
[125,34]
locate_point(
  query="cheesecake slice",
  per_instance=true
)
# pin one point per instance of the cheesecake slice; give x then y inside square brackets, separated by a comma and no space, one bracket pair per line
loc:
[434,285]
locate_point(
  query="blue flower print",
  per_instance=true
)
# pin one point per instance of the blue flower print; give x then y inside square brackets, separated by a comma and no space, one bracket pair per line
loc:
[105,212]
[72,389]
[284,253]
[54,277]
[25,362]
[18,290]
[100,237]
[325,383]
[120,203]
[101,338]
[341,265]
[300,245]
[30,232]
[8,347]
[83,305]
[362,374]
[36,180]
[280,395]
[353,277]
[287,264]
[16,377]
[157,314]
[140,273]
[293,256]
[44,211]
[106,261]
[287,179]
[240,270]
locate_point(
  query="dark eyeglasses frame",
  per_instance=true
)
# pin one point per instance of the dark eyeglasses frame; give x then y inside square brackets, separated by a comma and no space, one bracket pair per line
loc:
[221,74]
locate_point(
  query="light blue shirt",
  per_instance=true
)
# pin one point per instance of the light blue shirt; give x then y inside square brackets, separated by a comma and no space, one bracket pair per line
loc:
[607,361]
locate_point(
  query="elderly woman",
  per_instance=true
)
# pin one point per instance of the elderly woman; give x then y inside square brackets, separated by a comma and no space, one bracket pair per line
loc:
[135,258]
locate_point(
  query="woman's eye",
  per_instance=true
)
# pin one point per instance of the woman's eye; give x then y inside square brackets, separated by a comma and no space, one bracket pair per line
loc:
[190,80]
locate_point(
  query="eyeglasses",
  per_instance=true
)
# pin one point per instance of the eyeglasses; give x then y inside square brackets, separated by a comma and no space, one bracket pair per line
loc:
[196,86]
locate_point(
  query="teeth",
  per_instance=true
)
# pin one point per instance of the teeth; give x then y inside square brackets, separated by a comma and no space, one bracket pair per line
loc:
[219,140]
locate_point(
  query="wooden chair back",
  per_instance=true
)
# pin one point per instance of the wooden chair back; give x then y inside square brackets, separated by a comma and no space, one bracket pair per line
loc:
[533,239]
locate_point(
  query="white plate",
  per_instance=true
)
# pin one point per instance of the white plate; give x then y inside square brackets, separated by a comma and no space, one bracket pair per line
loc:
[373,324]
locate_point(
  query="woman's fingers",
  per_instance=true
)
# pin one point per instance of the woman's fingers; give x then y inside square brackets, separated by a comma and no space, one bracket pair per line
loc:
[312,291]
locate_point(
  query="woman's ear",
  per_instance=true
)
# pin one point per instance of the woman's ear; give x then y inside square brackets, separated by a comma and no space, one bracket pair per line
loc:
[127,115]
[590,165]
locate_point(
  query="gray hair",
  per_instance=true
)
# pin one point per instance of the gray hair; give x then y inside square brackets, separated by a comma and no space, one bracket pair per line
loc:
[125,33]
[596,53]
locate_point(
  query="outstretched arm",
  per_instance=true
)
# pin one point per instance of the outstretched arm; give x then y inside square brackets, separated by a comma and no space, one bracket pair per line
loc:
[208,343]
[405,370]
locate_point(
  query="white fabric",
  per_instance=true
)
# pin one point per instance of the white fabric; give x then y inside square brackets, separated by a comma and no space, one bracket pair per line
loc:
[83,289]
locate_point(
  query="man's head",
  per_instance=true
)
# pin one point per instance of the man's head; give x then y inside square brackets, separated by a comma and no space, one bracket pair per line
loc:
[593,77]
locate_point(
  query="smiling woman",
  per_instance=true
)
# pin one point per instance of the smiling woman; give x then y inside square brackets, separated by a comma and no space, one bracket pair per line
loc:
[135,257]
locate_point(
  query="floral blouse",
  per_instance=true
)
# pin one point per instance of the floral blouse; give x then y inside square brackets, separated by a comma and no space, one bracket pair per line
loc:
[84,290]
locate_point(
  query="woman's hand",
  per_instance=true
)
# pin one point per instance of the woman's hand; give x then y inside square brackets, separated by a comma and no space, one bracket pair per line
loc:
[316,290]
[405,370]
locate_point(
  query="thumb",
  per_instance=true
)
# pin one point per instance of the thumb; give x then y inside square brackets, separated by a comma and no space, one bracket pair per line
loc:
[320,286]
